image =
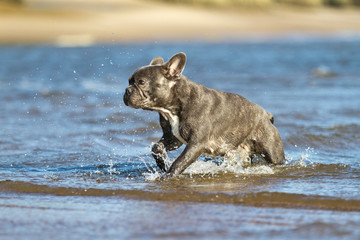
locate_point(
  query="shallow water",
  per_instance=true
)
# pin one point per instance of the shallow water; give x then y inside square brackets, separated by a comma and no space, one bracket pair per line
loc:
[75,161]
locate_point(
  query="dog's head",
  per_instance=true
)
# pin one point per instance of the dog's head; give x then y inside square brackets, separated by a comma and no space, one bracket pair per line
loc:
[151,87]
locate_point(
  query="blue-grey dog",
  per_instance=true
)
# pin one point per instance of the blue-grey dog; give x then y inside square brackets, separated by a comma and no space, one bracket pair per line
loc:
[207,121]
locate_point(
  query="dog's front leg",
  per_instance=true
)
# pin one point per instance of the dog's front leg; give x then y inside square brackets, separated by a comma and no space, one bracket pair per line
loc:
[186,158]
[161,147]
[167,143]
[158,153]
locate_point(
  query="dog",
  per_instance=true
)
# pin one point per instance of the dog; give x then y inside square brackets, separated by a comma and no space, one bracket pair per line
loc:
[208,121]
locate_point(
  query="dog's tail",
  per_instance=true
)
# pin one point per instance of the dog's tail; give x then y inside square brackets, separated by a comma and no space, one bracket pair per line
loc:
[271,117]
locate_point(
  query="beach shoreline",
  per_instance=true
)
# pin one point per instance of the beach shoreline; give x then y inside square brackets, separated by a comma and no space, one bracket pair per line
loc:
[67,23]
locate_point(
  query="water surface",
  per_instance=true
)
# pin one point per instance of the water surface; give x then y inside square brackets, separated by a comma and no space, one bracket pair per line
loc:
[75,161]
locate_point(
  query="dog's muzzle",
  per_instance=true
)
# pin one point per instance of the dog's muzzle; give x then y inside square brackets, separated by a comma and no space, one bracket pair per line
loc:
[128,92]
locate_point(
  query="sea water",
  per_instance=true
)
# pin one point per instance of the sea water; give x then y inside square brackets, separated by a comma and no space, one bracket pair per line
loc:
[75,161]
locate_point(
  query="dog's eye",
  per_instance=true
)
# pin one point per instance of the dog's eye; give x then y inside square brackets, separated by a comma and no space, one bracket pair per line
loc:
[141,82]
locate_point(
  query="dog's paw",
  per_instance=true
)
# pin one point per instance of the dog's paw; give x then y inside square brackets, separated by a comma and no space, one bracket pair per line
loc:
[167,176]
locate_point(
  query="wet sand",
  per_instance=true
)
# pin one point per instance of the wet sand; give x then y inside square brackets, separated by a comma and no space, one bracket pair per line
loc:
[80,22]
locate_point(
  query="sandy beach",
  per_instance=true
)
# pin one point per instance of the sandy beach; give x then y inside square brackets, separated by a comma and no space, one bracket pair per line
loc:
[65,22]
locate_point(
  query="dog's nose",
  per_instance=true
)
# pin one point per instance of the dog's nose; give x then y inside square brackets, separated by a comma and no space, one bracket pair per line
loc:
[127,95]
[128,91]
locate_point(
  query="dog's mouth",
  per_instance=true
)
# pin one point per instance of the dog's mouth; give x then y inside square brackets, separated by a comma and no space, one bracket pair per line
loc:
[142,94]
[135,97]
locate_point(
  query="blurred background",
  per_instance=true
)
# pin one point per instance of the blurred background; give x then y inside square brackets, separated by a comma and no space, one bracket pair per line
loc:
[85,22]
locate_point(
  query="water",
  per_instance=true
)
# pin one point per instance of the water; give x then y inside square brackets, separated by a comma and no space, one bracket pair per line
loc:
[75,161]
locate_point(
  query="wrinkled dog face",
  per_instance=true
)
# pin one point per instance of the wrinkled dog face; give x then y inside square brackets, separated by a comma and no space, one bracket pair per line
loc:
[140,93]
[150,87]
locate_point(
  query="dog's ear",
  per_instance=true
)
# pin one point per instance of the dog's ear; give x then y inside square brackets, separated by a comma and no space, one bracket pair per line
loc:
[157,61]
[175,66]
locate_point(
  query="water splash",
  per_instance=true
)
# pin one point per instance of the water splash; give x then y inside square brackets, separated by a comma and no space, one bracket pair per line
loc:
[236,163]
[304,160]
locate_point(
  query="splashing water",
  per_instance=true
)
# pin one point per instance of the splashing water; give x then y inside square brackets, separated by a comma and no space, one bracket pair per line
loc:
[235,162]
[303,161]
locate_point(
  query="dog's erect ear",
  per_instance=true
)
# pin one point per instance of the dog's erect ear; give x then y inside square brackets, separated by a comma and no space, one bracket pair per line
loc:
[157,61]
[175,66]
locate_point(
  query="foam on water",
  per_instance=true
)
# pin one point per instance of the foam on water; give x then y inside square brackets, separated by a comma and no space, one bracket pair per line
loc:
[237,163]
[304,160]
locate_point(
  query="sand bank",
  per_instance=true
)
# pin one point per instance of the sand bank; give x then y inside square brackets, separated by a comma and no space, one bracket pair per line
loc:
[80,22]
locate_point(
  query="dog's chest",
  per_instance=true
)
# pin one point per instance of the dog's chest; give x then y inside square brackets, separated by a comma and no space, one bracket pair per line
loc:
[174,122]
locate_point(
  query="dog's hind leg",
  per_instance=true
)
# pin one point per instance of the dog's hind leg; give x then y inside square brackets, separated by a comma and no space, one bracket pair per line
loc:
[267,143]
[270,147]
[270,154]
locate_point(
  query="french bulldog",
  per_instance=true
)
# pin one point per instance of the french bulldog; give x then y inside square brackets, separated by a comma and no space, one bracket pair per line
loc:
[208,121]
